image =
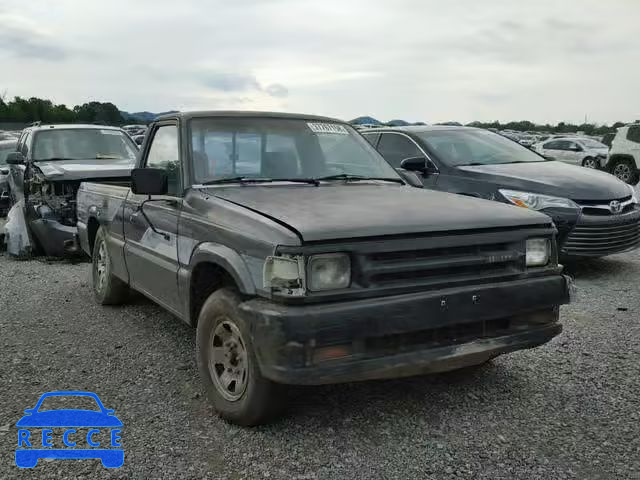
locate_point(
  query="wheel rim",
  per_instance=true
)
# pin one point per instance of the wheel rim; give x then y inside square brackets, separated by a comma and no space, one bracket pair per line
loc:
[228,361]
[101,266]
[590,163]
[623,172]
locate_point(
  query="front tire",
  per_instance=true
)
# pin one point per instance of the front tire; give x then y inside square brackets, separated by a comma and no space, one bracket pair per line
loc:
[107,288]
[626,171]
[591,162]
[229,367]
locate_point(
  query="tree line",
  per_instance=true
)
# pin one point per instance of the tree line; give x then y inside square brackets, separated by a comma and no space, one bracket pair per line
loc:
[21,110]
[562,127]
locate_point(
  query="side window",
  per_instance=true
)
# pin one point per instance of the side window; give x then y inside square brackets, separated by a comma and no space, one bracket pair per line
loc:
[164,153]
[551,145]
[395,148]
[372,138]
[24,148]
[633,134]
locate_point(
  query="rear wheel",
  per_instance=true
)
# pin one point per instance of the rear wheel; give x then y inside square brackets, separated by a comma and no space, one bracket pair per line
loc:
[626,171]
[228,365]
[107,288]
[590,162]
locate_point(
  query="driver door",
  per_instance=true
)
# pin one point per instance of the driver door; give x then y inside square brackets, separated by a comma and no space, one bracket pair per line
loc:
[152,256]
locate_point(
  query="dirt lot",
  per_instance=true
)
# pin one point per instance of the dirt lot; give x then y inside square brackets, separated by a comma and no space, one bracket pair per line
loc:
[567,410]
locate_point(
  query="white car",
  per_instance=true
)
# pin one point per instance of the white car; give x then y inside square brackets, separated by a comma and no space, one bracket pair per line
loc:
[624,157]
[576,150]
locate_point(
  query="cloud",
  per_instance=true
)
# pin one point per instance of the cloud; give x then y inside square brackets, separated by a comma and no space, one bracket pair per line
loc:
[21,38]
[230,82]
[277,90]
[240,82]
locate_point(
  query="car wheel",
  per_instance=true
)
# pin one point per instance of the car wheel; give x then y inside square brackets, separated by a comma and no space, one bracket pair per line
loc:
[228,365]
[107,288]
[591,162]
[626,171]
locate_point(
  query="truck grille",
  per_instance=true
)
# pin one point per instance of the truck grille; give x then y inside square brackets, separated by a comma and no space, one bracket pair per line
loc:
[603,239]
[440,265]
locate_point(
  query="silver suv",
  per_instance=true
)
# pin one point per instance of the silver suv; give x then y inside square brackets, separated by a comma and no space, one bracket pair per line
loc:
[624,156]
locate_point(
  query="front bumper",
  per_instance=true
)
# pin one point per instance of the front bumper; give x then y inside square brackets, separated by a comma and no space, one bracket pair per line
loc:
[600,235]
[406,334]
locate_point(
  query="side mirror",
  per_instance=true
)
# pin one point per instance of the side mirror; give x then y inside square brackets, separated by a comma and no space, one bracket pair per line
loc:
[575,148]
[29,411]
[15,158]
[149,181]
[109,411]
[414,164]
[4,171]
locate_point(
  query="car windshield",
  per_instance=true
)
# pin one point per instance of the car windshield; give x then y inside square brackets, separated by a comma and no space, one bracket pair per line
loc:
[67,402]
[282,149]
[83,144]
[476,147]
[587,142]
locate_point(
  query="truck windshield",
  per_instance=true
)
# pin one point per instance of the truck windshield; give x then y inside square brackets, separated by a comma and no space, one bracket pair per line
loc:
[274,148]
[476,147]
[83,144]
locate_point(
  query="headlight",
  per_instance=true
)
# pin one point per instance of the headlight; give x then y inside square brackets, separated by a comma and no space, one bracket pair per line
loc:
[538,252]
[535,201]
[329,271]
[634,195]
[284,274]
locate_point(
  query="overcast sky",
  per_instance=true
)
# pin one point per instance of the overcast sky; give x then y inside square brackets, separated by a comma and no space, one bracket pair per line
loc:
[545,61]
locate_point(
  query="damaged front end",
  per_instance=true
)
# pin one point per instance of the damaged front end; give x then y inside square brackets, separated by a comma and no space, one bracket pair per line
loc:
[50,209]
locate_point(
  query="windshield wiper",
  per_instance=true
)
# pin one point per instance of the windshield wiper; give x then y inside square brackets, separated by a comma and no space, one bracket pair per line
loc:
[355,178]
[242,179]
[101,156]
[53,159]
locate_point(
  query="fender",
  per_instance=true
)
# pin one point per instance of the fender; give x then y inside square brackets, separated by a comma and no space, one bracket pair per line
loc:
[226,258]
[218,254]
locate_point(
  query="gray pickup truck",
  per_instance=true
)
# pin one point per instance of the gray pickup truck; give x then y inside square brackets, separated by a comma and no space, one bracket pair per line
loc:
[302,257]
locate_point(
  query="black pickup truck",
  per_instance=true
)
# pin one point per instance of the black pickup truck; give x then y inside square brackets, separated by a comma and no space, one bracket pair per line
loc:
[302,257]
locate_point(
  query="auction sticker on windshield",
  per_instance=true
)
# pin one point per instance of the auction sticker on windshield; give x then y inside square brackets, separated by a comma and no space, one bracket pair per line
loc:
[51,432]
[333,128]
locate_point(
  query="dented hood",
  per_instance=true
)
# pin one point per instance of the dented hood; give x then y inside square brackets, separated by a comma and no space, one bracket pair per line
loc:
[331,212]
[84,169]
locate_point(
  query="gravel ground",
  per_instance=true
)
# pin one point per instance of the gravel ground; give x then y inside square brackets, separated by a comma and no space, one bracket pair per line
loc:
[569,409]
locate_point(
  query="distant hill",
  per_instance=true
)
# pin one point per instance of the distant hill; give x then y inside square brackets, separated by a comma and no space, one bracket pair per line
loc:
[365,121]
[142,117]
[398,123]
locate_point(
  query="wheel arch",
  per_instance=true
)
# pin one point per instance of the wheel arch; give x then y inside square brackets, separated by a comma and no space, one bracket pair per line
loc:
[616,157]
[214,266]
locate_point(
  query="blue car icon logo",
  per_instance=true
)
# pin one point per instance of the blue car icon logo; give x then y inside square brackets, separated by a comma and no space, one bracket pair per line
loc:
[69,433]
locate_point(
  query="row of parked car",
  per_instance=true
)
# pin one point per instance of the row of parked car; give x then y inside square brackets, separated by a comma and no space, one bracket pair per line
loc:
[305,252]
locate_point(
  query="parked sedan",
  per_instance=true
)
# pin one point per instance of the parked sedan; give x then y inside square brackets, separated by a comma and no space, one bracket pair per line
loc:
[595,213]
[576,150]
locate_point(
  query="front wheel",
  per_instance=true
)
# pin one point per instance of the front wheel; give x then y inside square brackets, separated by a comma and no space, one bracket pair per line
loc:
[591,162]
[626,171]
[228,365]
[107,288]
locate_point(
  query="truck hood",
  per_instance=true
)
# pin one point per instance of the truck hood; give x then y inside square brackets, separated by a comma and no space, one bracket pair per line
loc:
[330,212]
[551,178]
[84,169]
